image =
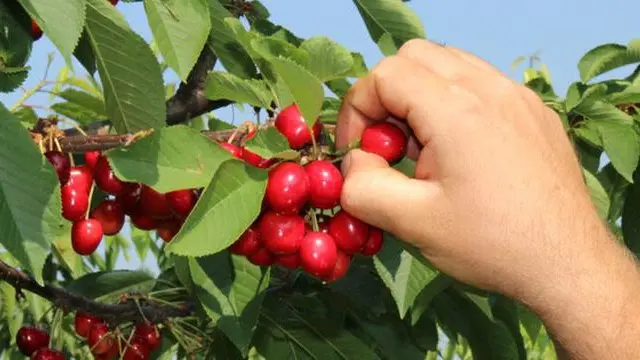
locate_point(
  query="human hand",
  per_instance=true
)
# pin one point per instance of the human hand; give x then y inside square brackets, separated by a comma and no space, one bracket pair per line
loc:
[497,199]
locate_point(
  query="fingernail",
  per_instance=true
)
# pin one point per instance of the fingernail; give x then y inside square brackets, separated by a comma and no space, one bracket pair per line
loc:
[346,161]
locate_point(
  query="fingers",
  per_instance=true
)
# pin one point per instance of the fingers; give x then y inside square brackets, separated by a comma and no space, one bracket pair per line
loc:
[439,59]
[381,196]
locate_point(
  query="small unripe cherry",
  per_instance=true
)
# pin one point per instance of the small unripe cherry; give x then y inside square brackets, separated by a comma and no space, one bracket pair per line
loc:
[291,261]
[83,322]
[181,201]
[326,184]
[349,232]
[100,340]
[262,257]
[291,124]
[233,149]
[111,216]
[61,164]
[86,235]
[386,140]
[248,243]
[374,242]
[288,188]
[47,354]
[91,159]
[154,203]
[30,339]
[149,335]
[318,253]
[80,177]
[281,234]
[75,202]
[340,269]
[105,178]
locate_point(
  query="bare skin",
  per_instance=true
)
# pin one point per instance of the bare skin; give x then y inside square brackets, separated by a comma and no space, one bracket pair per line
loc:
[497,200]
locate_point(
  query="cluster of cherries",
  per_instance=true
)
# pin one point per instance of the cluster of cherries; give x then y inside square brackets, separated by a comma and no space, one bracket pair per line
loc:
[146,208]
[36,31]
[34,341]
[290,231]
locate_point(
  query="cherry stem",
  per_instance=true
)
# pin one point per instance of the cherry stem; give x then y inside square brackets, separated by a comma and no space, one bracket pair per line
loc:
[314,220]
[315,151]
[93,185]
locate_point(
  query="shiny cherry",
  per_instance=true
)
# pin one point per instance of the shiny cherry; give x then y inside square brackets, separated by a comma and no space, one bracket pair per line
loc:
[47,354]
[149,335]
[75,202]
[318,253]
[114,2]
[349,232]
[181,201]
[254,159]
[291,261]
[30,339]
[137,350]
[288,188]
[154,203]
[81,178]
[83,322]
[340,269]
[86,235]
[106,179]
[374,242]
[61,164]
[129,197]
[36,31]
[248,243]
[141,220]
[233,149]
[91,159]
[385,139]
[291,124]
[167,229]
[111,216]
[281,234]
[100,339]
[262,257]
[326,184]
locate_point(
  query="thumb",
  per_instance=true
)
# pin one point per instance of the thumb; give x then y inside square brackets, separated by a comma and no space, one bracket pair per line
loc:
[383,197]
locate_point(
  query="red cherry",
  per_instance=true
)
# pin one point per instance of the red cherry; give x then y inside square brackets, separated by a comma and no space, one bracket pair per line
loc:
[83,323]
[281,234]
[91,158]
[75,203]
[326,184]
[129,197]
[256,160]
[142,220]
[136,351]
[105,178]
[318,253]
[86,235]
[47,354]
[181,201]
[288,188]
[288,261]
[114,2]
[385,139]
[61,164]
[291,124]
[149,335]
[340,269]
[233,149]
[248,243]
[110,214]
[374,242]
[112,354]
[262,257]
[100,340]
[81,178]
[168,229]
[36,31]
[349,232]
[30,339]
[323,227]
[154,203]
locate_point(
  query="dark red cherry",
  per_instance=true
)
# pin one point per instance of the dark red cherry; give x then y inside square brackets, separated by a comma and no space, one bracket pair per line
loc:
[47,354]
[141,220]
[129,197]
[106,179]
[60,163]
[262,257]
[291,124]
[248,243]
[86,235]
[288,261]
[167,229]
[326,184]
[281,234]
[137,350]
[75,203]
[149,335]
[318,253]
[91,159]
[288,188]
[114,2]
[181,201]
[111,216]
[233,149]
[100,339]
[385,139]
[36,31]
[30,339]
[340,269]
[83,323]
[349,232]
[374,242]
[81,178]
[154,203]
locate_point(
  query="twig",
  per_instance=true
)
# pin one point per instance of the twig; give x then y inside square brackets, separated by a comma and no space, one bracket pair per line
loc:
[67,301]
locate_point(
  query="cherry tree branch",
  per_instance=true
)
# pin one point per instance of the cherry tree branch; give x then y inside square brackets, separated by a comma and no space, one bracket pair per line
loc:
[114,314]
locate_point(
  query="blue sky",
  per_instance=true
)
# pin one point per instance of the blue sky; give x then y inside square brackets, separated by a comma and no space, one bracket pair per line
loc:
[496,30]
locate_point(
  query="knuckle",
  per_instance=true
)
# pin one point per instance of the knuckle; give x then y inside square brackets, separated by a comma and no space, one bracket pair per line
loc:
[411,46]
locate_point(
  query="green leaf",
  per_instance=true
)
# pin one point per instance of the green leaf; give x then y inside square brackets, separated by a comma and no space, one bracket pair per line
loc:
[231,291]
[48,15]
[232,55]
[270,48]
[133,84]
[404,275]
[267,143]
[622,145]
[506,310]
[330,110]
[85,99]
[631,217]
[110,284]
[180,29]
[390,22]
[216,124]
[607,57]
[26,115]
[77,112]
[328,60]
[171,158]
[224,85]
[598,194]
[15,49]
[84,53]
[616,188]
[65,254]
[227,207]
[339,87]
[579,93]
[272,30]
[30,207]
